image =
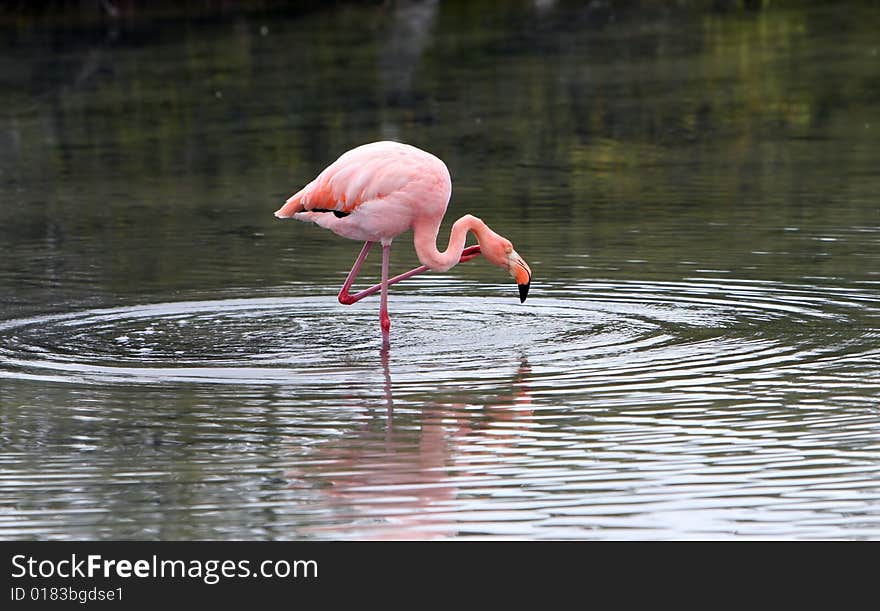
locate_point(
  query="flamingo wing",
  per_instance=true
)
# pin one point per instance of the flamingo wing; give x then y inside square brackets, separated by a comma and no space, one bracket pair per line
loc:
[364,174]
[373,192]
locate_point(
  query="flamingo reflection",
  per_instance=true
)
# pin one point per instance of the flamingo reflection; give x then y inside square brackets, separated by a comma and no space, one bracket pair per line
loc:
[399,475]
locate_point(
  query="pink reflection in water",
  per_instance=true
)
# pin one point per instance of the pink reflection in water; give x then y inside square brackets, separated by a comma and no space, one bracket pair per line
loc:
[402,480]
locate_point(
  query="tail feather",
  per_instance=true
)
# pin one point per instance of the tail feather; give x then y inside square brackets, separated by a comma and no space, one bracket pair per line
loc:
[291,206]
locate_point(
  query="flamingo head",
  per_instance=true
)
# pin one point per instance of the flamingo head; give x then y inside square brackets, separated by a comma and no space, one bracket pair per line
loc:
[499,251]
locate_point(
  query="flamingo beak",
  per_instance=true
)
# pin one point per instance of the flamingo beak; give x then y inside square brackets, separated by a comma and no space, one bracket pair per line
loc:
[522,273]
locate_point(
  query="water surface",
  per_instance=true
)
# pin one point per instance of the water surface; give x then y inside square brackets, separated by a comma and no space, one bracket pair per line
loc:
[694,189]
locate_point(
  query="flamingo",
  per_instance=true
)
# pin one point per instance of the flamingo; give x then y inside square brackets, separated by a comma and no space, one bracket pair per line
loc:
[377,191]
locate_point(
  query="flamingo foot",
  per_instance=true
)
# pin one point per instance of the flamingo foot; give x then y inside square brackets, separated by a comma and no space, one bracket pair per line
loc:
[385,323]
[469,253]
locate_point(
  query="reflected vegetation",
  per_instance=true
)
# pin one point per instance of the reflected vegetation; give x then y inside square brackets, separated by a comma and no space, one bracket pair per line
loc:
[694,184]
[641,133]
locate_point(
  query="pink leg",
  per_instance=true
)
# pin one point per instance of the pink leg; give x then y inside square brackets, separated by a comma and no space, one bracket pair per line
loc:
[343,296]
[384,319]
[466,255]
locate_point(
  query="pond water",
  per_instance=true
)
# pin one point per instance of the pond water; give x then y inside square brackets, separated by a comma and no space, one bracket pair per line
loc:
[695,190]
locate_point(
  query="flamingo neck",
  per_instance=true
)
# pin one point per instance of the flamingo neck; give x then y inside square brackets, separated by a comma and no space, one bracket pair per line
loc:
[425,241]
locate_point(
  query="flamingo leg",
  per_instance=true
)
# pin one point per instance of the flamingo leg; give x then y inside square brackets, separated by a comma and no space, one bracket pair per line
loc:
[466,255]
[384,319]
[344,296]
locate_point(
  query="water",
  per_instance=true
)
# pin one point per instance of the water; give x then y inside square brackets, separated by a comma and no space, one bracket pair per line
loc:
[694,189]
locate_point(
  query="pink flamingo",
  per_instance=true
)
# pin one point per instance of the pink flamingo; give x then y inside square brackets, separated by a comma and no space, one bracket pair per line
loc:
[377,191]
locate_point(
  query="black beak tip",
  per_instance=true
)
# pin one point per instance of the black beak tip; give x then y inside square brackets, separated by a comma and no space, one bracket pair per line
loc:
[524,291]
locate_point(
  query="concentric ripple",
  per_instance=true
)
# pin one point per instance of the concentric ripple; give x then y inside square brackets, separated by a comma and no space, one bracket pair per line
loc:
[600,409]
[594,335]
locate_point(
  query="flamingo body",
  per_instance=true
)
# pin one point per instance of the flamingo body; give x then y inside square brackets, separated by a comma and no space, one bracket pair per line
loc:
[377,191]
[380,190]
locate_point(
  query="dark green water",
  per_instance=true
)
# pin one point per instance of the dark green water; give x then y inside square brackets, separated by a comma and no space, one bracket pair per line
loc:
[695,189]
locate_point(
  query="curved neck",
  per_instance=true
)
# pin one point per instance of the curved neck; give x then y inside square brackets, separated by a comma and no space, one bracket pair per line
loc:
[425,241]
